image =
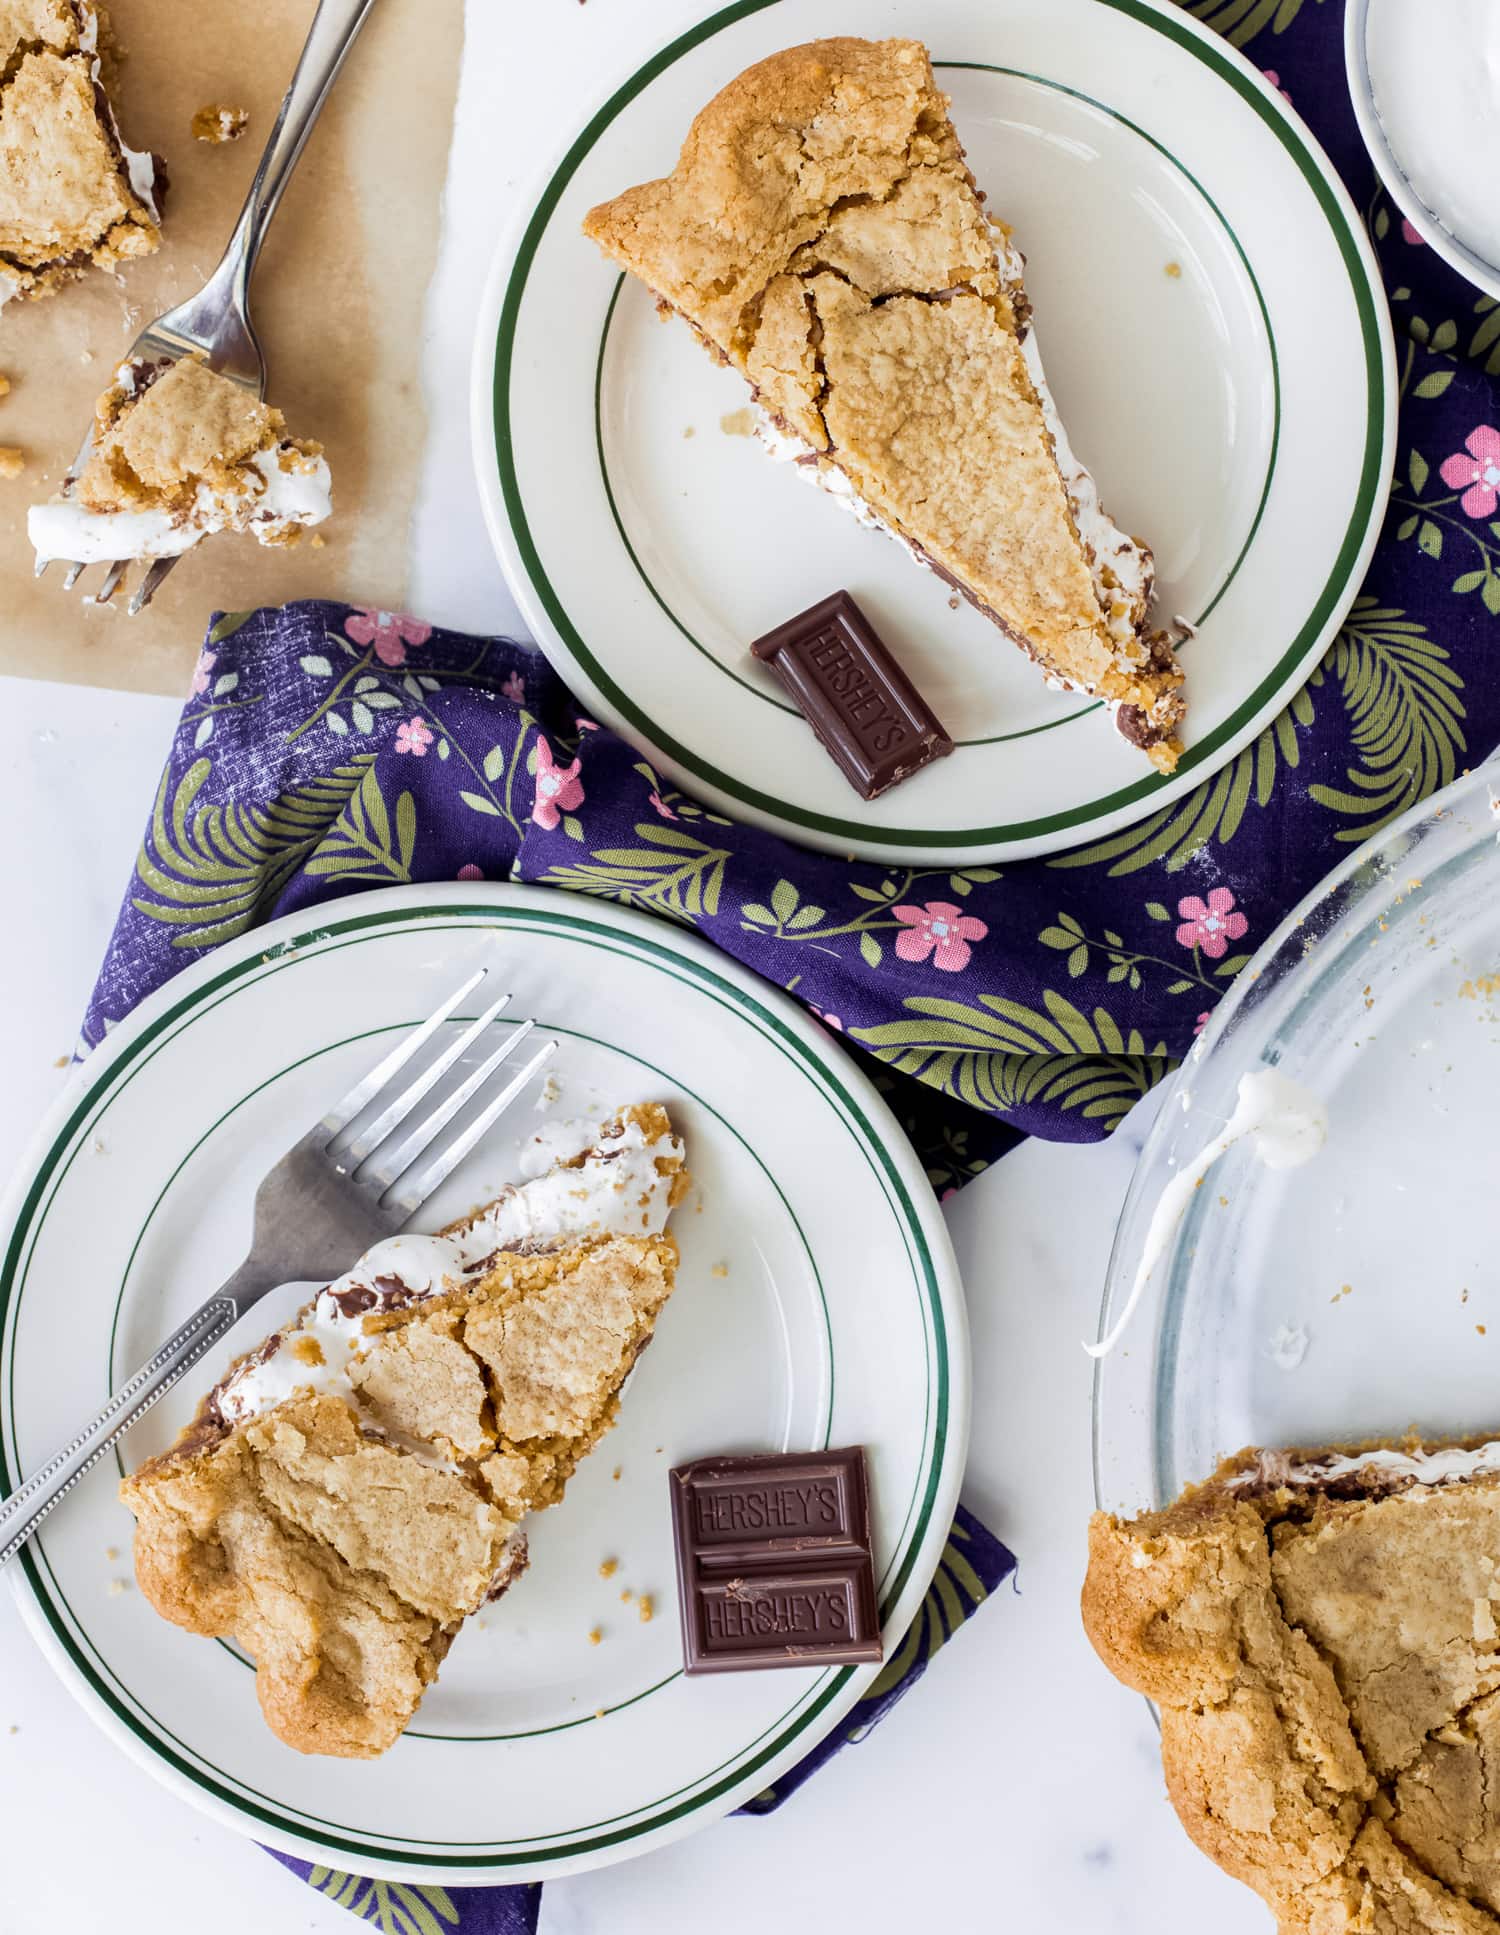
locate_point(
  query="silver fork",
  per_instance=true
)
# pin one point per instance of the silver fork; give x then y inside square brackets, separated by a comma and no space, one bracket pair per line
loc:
[324,1203]
[216,322]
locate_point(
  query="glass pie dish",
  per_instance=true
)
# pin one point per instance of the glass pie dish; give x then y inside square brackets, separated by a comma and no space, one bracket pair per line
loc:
[1356,1294]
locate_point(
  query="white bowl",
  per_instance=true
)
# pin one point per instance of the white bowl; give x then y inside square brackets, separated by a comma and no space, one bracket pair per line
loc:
[1427,221]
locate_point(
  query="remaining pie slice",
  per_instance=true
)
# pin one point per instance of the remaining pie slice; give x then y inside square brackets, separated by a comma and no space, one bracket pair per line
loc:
[1319,1629]
[71,193]
[822,233]
[181,452]
[357,1486]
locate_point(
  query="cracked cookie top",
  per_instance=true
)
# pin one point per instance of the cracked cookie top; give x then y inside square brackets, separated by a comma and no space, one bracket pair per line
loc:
[793,146]
[1328,1670]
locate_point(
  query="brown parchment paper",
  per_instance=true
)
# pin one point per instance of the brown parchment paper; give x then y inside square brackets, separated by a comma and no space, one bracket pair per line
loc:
[337,299]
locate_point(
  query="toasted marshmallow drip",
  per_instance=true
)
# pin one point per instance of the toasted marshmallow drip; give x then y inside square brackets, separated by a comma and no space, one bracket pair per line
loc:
[614,1190]
[1444,1465]
[1286,1126]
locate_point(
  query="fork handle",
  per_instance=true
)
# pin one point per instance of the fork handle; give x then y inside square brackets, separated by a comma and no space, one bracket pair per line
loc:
[24,1510]
[329,39]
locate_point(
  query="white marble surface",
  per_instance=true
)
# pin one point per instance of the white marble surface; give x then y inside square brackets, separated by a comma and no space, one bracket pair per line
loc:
[1019,1786]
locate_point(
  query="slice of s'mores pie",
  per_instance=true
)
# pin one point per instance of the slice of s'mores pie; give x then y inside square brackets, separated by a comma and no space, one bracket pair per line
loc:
[358,1485]
[72,194]
[822,233]
[179,453]
[1319,1630]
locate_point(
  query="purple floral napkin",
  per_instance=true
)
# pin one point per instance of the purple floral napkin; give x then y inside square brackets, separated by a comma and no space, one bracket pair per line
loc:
[326,748]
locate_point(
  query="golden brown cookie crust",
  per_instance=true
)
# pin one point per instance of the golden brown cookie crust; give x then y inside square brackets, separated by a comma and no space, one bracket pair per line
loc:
[1328,1674]
[66,198]
[822,233]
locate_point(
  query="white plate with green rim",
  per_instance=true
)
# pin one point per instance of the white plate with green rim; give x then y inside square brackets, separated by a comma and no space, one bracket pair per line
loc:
[837,1319]
[1214,329]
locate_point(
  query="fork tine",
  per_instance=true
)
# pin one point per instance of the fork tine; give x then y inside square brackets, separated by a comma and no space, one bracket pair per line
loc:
[75,572]
[421,1137]
[344,1111]
[39,568]
[415,1190]
[155,578]
[369,1140]
[111,583]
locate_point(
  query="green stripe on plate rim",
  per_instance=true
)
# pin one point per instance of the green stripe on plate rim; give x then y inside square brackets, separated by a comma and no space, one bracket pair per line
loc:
[793,1723]
[1094,705]
[1195,41]
[112,1374]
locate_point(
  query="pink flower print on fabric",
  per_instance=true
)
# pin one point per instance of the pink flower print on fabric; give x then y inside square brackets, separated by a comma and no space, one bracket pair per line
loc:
[203,672]
[1210,924]
[390,632]
[414,736]
[1475,470]
[558,788]
[470,872]
[660,806]
[514,689]
[941,931]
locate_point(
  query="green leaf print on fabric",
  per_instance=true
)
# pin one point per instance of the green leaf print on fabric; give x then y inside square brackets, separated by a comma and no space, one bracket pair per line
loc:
[674,873]
[1212,811]
[1405,712]
[1003,1054]
[393,1907]
[956,1592]
[360,844]
[213,871]
[1242,20]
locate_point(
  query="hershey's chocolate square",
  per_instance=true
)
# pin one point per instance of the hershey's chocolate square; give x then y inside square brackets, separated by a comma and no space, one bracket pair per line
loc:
[865,711]
[773,1561]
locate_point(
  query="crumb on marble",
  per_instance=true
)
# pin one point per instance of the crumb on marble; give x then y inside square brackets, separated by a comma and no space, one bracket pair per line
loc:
[720,1270]
[738,423]
[62,1061]
[596,1635]
[646,1610]
[689,431]
[117,1586]
[1174,270]
[615,1474]
[111,1552]
[626,1596]
[608,1568]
